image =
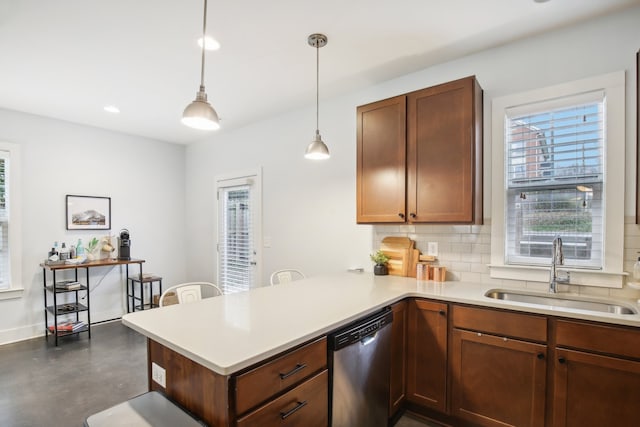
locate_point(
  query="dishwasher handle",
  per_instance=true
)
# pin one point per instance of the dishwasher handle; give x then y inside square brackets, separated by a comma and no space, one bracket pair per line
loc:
[369,339]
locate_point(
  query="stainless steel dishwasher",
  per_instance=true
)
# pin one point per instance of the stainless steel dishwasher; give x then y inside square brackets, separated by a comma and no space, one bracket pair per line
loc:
[359,359]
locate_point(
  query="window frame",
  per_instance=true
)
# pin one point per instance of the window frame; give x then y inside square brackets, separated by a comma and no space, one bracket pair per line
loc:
[14,200]
[611,275]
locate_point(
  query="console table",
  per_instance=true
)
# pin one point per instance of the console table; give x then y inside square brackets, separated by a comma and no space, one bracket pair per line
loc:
[74,307]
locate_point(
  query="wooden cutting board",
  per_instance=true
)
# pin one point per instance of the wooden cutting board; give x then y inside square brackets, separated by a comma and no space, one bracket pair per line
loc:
[394,243]
[398,263]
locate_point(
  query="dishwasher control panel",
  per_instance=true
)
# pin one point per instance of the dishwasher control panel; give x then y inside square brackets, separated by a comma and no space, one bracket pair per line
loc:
[360,329]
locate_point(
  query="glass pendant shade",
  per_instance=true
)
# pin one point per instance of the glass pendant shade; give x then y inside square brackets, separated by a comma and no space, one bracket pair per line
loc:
[200,114]
[317,150]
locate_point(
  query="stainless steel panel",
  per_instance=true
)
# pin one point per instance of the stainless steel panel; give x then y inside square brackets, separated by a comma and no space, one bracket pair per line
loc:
[361,382]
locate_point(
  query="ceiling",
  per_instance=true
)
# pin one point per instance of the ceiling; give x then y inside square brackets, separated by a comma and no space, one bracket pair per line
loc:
[67,59]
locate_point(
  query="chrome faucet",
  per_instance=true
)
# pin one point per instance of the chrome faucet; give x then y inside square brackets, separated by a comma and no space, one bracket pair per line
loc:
[557,258]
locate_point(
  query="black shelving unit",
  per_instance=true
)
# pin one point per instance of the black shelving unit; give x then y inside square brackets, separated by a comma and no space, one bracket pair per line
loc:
[64,302]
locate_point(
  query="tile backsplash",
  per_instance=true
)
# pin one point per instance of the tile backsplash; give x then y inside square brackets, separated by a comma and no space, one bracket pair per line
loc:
[466,252]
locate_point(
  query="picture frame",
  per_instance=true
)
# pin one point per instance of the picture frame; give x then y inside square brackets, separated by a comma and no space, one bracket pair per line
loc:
[88,212]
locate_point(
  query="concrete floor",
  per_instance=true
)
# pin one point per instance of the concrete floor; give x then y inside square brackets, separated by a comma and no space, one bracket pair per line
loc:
[43,385]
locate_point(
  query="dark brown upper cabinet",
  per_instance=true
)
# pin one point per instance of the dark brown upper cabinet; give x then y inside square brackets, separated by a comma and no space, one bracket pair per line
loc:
[420,156]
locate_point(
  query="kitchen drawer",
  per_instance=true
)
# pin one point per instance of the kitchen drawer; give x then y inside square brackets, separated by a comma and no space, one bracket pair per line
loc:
[267,380]
[502,323]
[599,338]
[306,405]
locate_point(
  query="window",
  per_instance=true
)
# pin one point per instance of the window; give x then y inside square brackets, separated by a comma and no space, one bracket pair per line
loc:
[238,220]
[558,169]
[10,230]
[554,172]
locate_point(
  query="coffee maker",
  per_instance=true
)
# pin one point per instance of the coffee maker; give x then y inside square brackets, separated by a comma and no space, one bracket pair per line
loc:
[124,252]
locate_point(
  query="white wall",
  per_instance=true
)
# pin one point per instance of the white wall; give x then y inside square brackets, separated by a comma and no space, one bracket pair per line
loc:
[309,208]
[143,177]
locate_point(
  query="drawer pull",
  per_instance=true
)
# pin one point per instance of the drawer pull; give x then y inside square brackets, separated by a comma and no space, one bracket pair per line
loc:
[300,405]
[540,356]
[299,367]
[562,360]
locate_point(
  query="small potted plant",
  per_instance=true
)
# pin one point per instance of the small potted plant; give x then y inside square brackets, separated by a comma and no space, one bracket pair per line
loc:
[380,259]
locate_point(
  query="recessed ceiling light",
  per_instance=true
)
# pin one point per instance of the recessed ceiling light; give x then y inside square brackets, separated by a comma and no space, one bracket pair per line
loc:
[111,109]
[209,43]
[541,1]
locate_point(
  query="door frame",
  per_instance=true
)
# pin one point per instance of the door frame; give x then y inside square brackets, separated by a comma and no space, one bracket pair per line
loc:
[256,176]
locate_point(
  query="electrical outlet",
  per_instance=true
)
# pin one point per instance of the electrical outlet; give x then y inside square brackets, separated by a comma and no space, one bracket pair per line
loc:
[432,248]
[158,374]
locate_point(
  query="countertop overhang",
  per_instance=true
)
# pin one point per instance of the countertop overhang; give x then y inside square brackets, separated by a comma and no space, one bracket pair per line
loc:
[229,333]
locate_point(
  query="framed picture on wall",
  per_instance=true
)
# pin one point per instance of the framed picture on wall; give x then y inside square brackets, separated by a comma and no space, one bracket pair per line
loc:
[88,213]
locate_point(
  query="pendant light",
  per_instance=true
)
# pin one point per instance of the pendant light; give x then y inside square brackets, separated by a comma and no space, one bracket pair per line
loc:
[317,150]
[200,114]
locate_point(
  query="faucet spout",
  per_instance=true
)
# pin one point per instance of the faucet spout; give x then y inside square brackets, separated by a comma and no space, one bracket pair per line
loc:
[557,258]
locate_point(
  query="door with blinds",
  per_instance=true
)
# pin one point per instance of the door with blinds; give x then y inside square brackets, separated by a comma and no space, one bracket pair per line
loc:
[238,228]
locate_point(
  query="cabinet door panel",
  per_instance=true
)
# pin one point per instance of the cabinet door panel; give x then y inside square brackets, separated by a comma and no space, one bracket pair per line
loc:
[497,381]
[427,354]
[381,169]
[442,151]
[398,375]
[593,390]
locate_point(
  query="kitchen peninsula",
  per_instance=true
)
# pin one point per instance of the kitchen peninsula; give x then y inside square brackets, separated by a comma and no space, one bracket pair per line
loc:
[209,354]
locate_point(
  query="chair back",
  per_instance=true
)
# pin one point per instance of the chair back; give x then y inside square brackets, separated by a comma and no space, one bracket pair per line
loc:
[189,292]
[285,276]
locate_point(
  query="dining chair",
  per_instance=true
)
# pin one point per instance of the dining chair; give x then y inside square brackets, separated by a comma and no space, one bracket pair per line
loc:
[185,293]
[285,276]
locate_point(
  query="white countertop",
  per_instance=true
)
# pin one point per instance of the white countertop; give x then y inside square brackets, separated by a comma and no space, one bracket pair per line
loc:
[231,332]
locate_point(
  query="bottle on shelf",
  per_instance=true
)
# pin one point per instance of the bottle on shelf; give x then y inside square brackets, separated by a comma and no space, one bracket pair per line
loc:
[72,252]
[79,248]
[53,253]
[64,252]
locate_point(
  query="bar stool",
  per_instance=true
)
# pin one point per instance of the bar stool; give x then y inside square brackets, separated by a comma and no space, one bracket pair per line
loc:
[131,292]
[150,409]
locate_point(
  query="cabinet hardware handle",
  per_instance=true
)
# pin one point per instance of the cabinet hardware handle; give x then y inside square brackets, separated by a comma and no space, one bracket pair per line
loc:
[540,356]
[412,215]
[300,405]
[401,215]
[442,312]
[299,367]
[562,360]
[479,334]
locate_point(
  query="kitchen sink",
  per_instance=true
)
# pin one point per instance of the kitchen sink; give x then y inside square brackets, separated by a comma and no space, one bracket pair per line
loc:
[561,301]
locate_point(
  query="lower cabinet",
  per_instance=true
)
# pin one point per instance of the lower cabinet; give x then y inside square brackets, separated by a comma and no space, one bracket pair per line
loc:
[592,389]
[498,371]
[427,353]
[497,381]
[291,390]
[398,368]
[306,405]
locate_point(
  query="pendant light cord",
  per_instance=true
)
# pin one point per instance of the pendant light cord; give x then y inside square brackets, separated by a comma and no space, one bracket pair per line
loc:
[204,32]
[317,87]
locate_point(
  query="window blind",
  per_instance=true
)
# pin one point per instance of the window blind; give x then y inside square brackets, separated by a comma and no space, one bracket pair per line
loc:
[235,248]
[4,221]
[554,177]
